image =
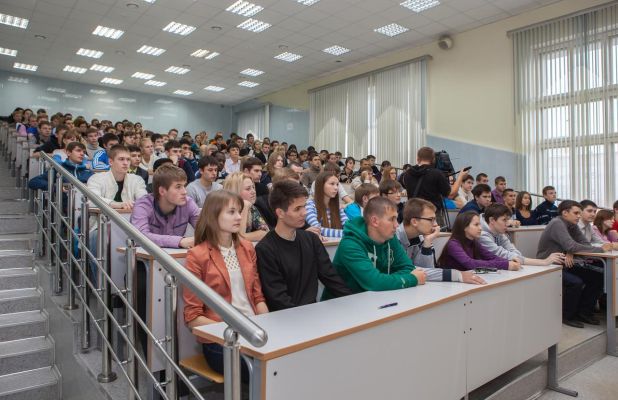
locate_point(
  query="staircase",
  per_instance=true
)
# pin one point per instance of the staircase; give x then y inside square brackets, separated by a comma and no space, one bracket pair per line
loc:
[27,351]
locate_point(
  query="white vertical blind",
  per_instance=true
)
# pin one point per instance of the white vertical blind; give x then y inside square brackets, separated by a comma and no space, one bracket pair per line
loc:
[382,113]
[255,121]
[566,88]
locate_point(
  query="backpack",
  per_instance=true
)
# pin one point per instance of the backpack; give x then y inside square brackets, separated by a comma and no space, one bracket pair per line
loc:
[443,162]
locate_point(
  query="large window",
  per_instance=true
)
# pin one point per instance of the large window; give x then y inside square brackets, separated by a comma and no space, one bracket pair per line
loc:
[567,105]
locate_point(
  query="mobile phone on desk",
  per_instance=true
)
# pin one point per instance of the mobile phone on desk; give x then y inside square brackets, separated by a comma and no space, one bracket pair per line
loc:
[485,270]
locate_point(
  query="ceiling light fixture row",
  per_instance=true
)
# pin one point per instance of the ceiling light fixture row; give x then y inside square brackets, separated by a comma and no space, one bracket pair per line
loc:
[142,75]
[112,81]
[151,51]
[254,25]
[177,70]
[178,28]
[420,5]
[207,54]
[11,20]
[8,52]
[155,83]
[101,68]
[183,92]
[107,32]
[89,53]
[75,70]
[26,67]
[244,8]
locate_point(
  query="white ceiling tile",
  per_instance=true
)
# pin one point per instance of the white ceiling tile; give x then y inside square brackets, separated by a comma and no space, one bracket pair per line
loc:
[465,5]
[483,12]
[456,21]
[440,12]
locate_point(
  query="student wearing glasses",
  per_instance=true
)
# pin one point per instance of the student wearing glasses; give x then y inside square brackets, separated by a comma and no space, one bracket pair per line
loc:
[417,233]
[391,189]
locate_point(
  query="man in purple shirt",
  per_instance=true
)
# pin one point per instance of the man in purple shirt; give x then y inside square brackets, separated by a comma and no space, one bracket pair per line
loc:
[496,194]
[164,214]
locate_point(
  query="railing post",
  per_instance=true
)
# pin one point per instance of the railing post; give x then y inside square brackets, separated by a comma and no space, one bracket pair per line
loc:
[58,223]
[131,326]
[84,229]
[231,365]
[49,220]
[71,305]
[171,308]
[106,375]
[39,216]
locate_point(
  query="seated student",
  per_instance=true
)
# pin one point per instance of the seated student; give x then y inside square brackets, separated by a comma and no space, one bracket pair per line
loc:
[547,210]
[497,193]
[60,154]
[164,214]
[160,162]
[173,151]
[417,233]
[482,178]
[252,166]
[54,142]
[602,226]
[148,157]
[482,199]
[276,161]
[523,209]
[582,284]
[391,189]
[92,142]
[117,187]
[74,163]
[494,238]
[510,199]
[463,251]
[263,206]
[225,262]
[362,195]
[200,188]
[347,173]
[315,167]
[136,162]
[585,223]
[232,164]
[370,257]
[465,190]
[187,154]
[365,175]
[43,132]
[323,210]
[100,161]
[344,197]
[253,225]
[291,260]
[615,207]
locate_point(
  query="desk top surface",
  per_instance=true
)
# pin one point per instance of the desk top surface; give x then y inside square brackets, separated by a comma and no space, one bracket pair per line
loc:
[610,254]
[302,327]
[527,228]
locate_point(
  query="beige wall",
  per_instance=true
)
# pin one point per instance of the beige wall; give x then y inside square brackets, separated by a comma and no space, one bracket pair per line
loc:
[470,86]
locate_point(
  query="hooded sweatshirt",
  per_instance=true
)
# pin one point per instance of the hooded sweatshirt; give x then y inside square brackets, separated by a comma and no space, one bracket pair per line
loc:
[434,185]
[366,265]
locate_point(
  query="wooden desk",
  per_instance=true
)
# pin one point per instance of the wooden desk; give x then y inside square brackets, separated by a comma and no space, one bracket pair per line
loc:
[611,262]
[526,239]
[348,347]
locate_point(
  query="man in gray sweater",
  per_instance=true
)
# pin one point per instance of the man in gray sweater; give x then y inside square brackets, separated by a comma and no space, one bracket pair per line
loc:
[416,235]
[582,284]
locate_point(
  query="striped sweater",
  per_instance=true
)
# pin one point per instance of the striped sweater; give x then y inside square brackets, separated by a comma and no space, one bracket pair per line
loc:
[312,219]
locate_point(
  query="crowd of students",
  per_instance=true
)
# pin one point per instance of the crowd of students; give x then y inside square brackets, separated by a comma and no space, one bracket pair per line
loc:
[288,202]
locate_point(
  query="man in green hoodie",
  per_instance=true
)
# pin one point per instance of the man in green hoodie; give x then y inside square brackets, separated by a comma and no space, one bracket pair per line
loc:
[370,256]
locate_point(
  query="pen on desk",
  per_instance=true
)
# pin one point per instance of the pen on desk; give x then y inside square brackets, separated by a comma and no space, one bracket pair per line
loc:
[388,305]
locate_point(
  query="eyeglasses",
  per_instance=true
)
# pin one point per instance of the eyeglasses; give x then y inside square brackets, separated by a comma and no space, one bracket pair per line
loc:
[432,220]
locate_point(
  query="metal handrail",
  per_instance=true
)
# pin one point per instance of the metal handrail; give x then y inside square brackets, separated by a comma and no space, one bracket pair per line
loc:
[248,329]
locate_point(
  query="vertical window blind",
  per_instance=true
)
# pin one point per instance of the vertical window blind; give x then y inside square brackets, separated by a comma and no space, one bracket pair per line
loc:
[254,121]
[381,113]
[566,104]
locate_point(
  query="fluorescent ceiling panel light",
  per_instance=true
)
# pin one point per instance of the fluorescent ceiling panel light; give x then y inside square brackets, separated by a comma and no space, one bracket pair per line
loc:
[336,50]
[244,8]
[111,81]
[8,52]
[13,21]
[178,28]
[420,5]
[127,100]
[150,1]
[183,92]
[17,79]
[97,91]
[155,83]
[248,84]
[177,70]
[254,25]
[73,96]
[204,53]
[56,90]
[212,55]
[307,2]
[151,51]
[107,32]
[101,68]
[142,75]
[75,70]
[391,30]
[251,72]
[26,67]
[213,88]
[289,57]
[89,53]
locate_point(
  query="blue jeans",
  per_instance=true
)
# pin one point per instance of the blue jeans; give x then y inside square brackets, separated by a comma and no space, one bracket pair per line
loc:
[213,353]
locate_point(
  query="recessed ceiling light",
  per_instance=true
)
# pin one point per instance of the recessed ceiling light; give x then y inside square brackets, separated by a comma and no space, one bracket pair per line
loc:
[200,53]
[248,84]
[142,75]
[151,51]
[289,57]
[107,32]
[127,100]
[155,83]
[211,55]
[41,37]
[244,8]
[183,92]
[89,53]
[150,1]
[98,91]
[391,30]
[8,52]
[254,25]
[56,90]
[216,28]
[75,70]
[73,96]
[111,81]
[132,5]
[213,88]
[251,72]
[27,67]
[283,47]
[13,21]
[307,2]
[420,5]
[177,70]
[178,28]
[101,68]
[18,79]
[336,50]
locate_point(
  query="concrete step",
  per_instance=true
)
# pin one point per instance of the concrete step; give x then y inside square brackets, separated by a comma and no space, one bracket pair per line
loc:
[10,224]
[16,259]
[23,241]
[18,278]
[20,300]
[23,325]
[40,384]
[14,206]
[10,193]
[26,354]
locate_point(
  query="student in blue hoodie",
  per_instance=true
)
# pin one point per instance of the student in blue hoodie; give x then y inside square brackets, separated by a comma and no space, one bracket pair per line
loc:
[370,257]
[74,163]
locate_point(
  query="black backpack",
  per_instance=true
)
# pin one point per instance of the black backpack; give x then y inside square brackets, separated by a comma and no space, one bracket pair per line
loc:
[443,162]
